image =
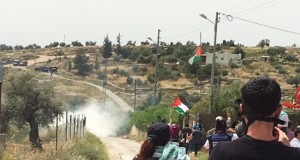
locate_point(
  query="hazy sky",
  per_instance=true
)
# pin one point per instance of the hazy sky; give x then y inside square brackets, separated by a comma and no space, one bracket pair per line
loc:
[44,21]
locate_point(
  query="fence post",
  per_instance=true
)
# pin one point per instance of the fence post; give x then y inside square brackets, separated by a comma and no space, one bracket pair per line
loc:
[56,130]
[78,120]
[66,126]
[84,123]
[74,120]
[70,132]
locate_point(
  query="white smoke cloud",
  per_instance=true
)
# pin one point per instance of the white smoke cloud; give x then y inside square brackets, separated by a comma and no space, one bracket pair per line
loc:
[103,119]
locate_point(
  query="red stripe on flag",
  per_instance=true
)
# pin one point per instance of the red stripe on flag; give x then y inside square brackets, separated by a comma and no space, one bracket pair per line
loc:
[177,102]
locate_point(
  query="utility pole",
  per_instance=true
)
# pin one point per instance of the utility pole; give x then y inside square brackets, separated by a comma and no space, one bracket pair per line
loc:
[156,59]
[134,102]
[213,64]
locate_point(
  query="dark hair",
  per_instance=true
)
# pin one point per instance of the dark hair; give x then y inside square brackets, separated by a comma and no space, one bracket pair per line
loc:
[186,125]
[220,125]
[262,95]
[146,151]
[297,131]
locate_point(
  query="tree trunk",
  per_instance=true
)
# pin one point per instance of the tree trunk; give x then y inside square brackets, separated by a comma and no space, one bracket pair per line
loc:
[34,132]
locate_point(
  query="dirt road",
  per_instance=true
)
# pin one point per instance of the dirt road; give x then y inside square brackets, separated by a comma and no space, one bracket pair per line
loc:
[120,149]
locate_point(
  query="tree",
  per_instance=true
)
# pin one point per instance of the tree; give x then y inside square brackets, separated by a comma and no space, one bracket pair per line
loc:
[81,63]
[62,44]
[30,101]
[239,50]
[119,49]
[263,43]
[76,43]
[107,48]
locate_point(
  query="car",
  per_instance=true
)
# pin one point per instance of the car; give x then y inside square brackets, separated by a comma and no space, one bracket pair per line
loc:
[23,63]
[16,63]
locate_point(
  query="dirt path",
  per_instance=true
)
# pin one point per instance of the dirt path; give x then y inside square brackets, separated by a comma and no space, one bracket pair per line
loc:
[120,149]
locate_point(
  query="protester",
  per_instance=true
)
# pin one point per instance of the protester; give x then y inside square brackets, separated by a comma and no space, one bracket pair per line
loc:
[260,106]
[295,142]
[185,134]
[290,132]
[196,139]
[174,130]
[285,118]
[158,146]
[219,135]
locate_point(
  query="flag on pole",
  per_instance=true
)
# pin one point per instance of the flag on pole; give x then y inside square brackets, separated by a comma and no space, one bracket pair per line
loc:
[180,105]
[197,56]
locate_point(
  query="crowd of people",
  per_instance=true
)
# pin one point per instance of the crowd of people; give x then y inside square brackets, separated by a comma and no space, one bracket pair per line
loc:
[263,133]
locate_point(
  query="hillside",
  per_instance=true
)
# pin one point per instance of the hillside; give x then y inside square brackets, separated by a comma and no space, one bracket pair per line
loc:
[118,69]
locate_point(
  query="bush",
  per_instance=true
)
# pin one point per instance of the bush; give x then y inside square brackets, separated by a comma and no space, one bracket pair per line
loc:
[116,70]
[224,73]
[90,148]
[117,59]
[101,76]
[139,82]
[129,80]
[135,68]
[122,72]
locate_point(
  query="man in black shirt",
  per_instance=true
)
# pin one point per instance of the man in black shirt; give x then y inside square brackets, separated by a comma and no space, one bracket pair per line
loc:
[260,106]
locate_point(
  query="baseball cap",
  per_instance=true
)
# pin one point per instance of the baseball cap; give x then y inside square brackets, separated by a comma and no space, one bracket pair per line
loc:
[219,118]
[284,117]
[159,133]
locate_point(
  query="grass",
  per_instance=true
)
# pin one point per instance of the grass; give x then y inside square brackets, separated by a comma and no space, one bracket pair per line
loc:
[200,156]
[88,148]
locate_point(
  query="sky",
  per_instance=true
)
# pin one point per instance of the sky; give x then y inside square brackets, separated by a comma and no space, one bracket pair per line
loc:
[24,22]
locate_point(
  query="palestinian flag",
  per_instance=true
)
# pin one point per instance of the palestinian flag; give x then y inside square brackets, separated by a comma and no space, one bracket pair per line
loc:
[180,105]
[197,56]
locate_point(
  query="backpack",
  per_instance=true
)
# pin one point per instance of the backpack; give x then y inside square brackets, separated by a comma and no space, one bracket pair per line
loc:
[218,137]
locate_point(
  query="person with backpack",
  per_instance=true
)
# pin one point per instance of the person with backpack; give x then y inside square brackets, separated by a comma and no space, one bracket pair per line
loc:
[158,145]
[219,135]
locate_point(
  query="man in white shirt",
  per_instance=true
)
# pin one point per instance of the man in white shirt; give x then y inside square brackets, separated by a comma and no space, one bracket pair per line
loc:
[295,142]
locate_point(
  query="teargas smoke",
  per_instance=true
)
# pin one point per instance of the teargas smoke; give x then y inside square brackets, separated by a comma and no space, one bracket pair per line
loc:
[103,119]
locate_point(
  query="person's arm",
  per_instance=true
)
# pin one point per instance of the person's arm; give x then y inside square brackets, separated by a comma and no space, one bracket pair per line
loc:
[205,147]
[282,137]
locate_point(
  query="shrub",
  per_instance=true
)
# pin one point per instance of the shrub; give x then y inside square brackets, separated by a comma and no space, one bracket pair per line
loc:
[129,80]
[117,59]
[139,82]
[224,73]
[135,68]
[116,70]
[101,76]
[122,72]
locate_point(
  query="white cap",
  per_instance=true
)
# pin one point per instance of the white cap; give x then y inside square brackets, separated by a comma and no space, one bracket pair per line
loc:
[219,118]
[283,116]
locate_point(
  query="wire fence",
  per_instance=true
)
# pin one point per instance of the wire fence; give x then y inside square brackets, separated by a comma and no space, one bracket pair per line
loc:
[70,127]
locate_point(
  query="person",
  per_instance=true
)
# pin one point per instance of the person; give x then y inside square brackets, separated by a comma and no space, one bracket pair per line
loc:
[260,106]
[290,132]
[185,134]
[174,130]
[219,135]
[196,138]
[295,142]
[285,118]
[158,145]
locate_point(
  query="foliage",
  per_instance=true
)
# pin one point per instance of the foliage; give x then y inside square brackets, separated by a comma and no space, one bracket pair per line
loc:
[294,81]
[101,76]
[129,80]
[226,96]
[81,63]
[291,58]
[206,72]
[263,43]
[90,43]
[142,118]
[275,51]
[239,50]
[119,48]
[90,148]
[76,43]
[24,94]
[107,48]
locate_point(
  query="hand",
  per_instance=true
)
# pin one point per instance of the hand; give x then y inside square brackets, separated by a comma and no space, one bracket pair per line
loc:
[282,137]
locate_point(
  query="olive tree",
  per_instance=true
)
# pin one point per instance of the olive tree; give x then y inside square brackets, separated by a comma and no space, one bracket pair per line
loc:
[27,101]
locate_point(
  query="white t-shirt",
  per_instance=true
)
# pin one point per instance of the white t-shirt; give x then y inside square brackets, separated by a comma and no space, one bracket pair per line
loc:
[295,142]
[234,137]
